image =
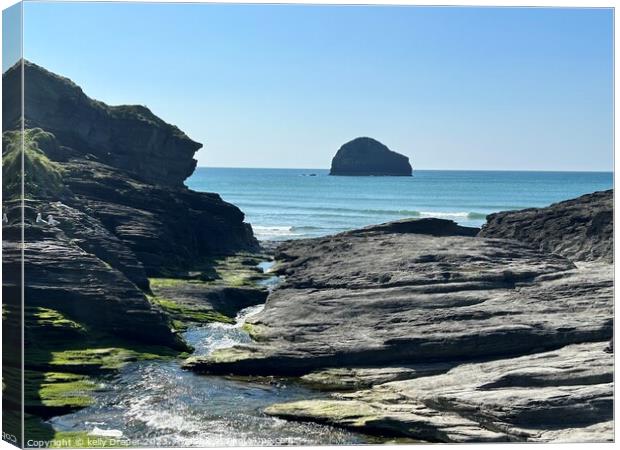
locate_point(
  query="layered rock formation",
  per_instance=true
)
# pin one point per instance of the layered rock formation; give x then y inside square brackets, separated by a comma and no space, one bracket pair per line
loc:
[83,271]
[129,137]
[124,167]
[580,229]
[491,339]
[112,178]
[377,298]
[365,156]
[565,395]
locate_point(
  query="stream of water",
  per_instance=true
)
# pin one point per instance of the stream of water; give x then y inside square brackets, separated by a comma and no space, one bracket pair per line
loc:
[156,403]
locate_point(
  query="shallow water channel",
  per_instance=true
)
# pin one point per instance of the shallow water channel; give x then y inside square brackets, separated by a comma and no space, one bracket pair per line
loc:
[156,403]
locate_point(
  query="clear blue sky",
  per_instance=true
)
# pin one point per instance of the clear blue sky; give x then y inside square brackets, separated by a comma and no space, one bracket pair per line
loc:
[286,85]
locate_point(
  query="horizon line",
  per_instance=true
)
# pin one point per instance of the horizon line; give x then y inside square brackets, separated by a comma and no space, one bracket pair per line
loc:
[418,170]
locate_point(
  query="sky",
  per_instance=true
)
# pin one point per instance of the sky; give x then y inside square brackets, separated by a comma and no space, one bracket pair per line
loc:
[287,85]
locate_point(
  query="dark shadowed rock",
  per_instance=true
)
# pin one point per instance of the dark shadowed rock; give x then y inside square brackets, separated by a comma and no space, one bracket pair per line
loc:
[129,137]
[431,226]
[580,229]
[169,230]
[83,271]
[112,178]
[367,156]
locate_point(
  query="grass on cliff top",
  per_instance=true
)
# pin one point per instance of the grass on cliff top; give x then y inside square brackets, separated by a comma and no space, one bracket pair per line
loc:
[42,177]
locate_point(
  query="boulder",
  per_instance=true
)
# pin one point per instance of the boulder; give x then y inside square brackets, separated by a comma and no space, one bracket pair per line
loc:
[366,156]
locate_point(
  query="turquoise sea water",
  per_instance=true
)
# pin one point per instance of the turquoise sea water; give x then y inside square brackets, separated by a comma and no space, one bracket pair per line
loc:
[296,203]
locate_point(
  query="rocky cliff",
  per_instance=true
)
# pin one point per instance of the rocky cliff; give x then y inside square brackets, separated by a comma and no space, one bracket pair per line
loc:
[128,137]
[366,156]
[112,180]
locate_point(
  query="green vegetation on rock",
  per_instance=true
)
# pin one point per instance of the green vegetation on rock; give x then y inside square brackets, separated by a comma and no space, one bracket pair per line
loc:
[63,368]
[50,319]
[57,392]
[348,412]
[182,316]
[205,294]
[238,270]
[42,177]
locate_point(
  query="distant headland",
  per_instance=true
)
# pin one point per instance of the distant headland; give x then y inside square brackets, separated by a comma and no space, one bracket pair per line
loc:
[364,156]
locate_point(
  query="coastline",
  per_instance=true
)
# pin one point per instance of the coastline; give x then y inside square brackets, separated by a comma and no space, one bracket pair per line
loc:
[368,326]
[128,268]
[286,204]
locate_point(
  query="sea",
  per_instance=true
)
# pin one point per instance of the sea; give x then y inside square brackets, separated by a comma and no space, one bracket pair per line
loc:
[283,204]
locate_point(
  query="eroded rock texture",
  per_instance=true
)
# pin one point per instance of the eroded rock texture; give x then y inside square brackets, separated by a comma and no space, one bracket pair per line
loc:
[375,298]
[562,395]
[112,179]
[580,229]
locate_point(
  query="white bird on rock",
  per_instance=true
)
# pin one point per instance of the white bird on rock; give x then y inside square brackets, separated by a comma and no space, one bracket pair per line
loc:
[51,221]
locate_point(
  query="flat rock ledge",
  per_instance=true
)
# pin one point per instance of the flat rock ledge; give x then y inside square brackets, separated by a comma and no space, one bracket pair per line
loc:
[388,299]
[564,395]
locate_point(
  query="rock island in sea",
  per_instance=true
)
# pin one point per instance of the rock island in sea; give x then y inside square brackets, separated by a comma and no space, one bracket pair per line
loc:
[366,156]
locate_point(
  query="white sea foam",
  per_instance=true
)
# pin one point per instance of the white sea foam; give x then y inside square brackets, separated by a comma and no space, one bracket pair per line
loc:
[106,433]
[271,232]
[452,214]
